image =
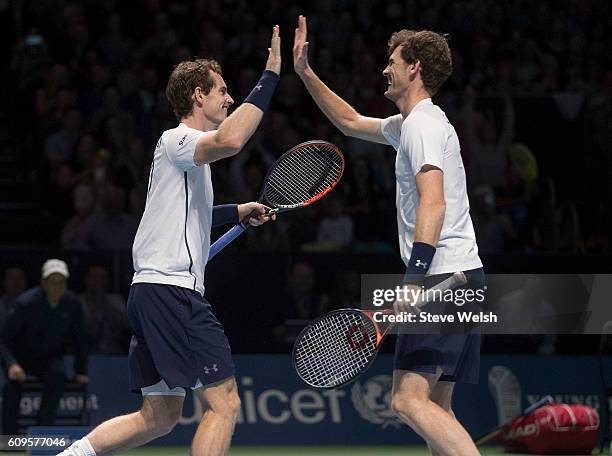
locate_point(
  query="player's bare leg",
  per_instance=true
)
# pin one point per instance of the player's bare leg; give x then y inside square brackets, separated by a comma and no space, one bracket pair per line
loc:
[442,394]
[412,402]
[157,416]
[222,405]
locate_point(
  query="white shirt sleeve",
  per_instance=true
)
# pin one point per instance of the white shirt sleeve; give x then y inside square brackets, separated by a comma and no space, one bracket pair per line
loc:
[423,139]
[180,147]
[391,128]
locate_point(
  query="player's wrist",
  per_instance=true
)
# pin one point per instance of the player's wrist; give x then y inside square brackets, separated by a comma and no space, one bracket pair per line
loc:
[261,95]
[306,73]
[419,263]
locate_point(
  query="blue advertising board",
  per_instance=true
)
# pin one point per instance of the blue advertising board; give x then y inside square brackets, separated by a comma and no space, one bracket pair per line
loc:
[278,409]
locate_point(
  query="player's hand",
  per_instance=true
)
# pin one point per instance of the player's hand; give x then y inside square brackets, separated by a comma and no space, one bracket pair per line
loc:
[274,54]
[255,213]
[300,47]
[16,372]
[405,305]
[81,379]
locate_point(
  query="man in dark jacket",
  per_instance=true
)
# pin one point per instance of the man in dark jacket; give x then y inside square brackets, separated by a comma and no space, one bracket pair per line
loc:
[33,341]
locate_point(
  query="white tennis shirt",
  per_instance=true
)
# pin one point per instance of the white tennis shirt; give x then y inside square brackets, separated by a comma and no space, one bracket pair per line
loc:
[426,136]
[173,239]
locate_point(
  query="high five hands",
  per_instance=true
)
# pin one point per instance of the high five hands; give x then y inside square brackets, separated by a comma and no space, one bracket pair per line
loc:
[300,47]
[274,54]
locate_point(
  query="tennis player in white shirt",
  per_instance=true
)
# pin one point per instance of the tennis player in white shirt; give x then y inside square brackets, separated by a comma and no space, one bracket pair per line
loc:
[436,236]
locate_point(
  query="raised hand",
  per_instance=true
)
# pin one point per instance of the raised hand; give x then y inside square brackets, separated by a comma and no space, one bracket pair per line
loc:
[300,47]
[274,54]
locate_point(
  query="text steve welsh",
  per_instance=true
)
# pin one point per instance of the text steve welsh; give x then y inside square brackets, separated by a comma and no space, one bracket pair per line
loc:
[427,317]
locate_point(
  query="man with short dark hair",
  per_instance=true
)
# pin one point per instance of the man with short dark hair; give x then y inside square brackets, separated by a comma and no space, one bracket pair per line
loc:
[34,338]
[177,341]
[436,236]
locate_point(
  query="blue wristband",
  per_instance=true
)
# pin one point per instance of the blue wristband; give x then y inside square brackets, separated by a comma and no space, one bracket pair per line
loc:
[419,263]
[262,93]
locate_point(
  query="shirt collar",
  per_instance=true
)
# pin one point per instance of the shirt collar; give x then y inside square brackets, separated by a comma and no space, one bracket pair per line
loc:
[425,101]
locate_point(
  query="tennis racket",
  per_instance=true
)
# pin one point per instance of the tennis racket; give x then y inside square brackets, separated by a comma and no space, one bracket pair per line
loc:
[337,347]
[498,430]
[300,177]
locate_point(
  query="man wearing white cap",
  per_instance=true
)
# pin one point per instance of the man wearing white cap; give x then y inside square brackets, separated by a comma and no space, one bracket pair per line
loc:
[33,342]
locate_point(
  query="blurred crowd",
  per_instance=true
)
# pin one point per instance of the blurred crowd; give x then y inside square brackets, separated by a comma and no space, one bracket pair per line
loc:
[88,81]
[305,289]
[104,312]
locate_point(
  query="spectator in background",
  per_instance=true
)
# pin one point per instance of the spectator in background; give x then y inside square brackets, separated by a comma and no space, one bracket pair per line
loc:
[28,55]
[488,147]
[59,146]
[346,293]
[104,314]
[82,162]
[33,341]
[137,199]
[13,285]
[302,302]
[247,171]
[47,106]
[76,233]
[112,71]
[493,231]
[111,228]
[517,196]
[335,228]
[362,195]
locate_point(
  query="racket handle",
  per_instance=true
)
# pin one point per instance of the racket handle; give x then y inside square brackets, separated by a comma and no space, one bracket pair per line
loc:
[536,405]
[457,280]
[227,239]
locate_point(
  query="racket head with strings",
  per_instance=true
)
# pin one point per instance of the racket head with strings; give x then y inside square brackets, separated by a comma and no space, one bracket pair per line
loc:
[337,347]
[340,345]
[302,175]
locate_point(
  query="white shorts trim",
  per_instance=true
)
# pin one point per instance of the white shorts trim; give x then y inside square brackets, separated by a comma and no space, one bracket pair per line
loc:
[161,388]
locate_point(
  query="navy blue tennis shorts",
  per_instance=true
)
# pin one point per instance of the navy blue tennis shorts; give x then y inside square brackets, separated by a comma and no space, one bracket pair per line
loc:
[457,354]
[175,337]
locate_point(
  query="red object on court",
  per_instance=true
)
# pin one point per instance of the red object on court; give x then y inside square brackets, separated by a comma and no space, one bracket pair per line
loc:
[553,429]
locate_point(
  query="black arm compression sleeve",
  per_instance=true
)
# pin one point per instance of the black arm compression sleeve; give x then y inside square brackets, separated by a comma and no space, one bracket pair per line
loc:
[224,214]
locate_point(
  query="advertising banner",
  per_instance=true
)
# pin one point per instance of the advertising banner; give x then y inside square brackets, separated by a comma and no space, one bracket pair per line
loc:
[278,409]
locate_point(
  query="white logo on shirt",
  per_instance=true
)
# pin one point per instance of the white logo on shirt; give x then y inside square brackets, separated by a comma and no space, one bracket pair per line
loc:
[258,87]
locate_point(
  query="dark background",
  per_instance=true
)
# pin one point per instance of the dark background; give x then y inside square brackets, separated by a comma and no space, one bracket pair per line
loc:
[83,105]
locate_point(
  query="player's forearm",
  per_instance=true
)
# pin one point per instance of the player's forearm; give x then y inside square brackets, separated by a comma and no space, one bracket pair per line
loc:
[224,213]
[237,129]
[233,133]
[338,111]
[429,220]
